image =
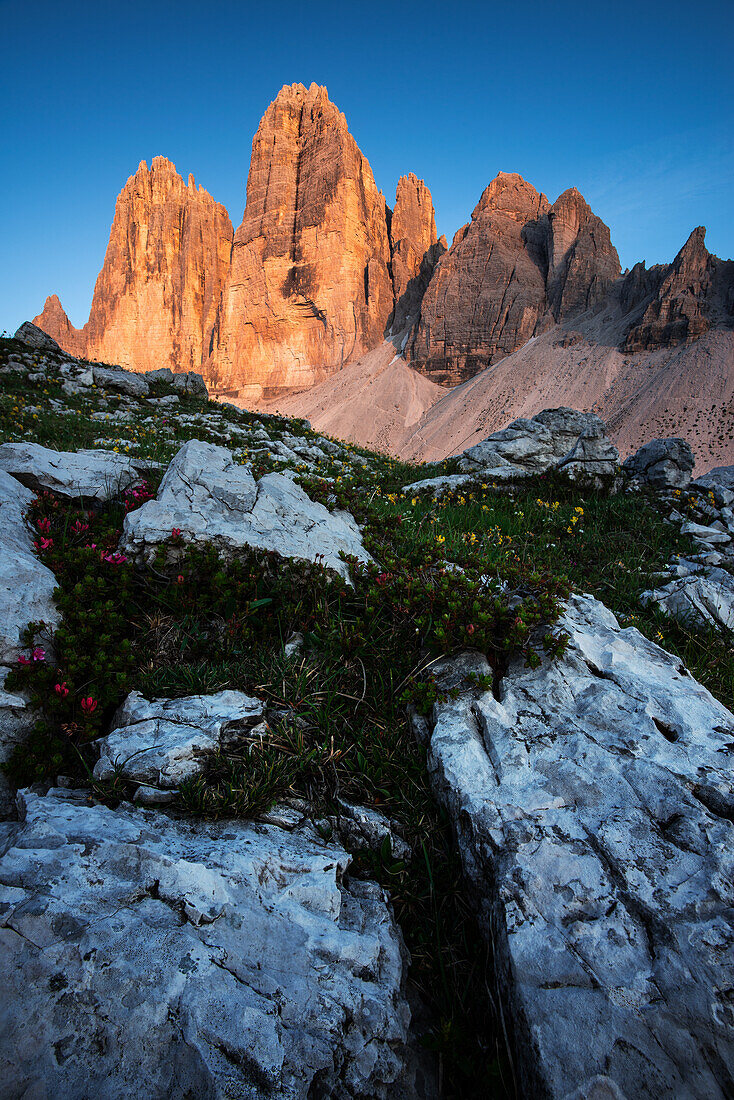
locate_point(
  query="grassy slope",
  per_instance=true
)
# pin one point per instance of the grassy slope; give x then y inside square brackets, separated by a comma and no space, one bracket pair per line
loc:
[338,716]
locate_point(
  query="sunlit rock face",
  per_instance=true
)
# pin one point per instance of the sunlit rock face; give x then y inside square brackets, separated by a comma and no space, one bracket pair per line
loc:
[310,285]
[157,296]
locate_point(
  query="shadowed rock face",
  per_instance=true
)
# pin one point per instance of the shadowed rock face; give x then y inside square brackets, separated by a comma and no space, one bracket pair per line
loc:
[157,296]
[414,249]
[516,267]
[487,293]
[582,261]
[310,285]
[695,291]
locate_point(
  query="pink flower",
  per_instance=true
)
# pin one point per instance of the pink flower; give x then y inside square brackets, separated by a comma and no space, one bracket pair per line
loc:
[61,689]
[79,527]
[44,525]
[39,654]
[89,705]
[113,559]
[43,544]
[175,533]
[24,660]
[179,579]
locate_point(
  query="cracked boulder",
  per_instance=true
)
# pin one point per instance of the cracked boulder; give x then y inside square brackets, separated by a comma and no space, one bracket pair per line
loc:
[26,595]
[155,956]
[87,475]
[163,742]
[705,597]
[553,439]
[662,463]
[208,498]
[26,584]
[593,808]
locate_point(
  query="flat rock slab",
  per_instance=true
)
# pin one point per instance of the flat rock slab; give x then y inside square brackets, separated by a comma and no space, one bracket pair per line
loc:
[163,742]
[89,475]
[593,807]
[143,955]
[208,498]
[26,584]
[706,598]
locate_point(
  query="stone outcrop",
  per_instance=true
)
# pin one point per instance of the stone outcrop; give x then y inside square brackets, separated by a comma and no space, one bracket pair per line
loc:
[163,742]
[704,597]
[593,805]
[208,498]
[160,956]
[582,261]
[156,301]
[36,337]
[662,463]
[26,595]
[310,285]
[695,291]
[516,267]
[414,249]
[91,475]
[26,584]
[555,439]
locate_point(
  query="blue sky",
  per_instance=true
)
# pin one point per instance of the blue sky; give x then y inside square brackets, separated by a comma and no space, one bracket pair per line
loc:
[630,102]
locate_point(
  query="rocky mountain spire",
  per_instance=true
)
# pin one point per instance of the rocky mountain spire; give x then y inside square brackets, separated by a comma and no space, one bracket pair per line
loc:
[157,296]
[310,283]
[582,261]
[412,245]
[683,300]
[487,293]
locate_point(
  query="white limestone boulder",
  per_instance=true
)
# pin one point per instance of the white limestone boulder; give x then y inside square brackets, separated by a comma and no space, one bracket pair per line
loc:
[163,742]
[86,475]
[662,463]
[35,337]
[121,381]
[26,584]
[593,806]
[553,438]
[16,721]
[144,955]
[210,499]
[705,597]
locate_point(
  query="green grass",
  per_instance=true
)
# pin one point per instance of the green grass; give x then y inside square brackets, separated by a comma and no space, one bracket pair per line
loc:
[483,567]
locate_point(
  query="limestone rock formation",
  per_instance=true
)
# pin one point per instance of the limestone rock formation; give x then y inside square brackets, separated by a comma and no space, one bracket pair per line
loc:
[696,291]
[592,803]
[156,300]
[414,249]
[516,267]
[487,293]
[91,474]
[662,463]
[35,337]
[555,439]
[163,742]
[582,261]
[26,595]
[696,594]
[208,498]
[310,285]
[159,956]
[26,584]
